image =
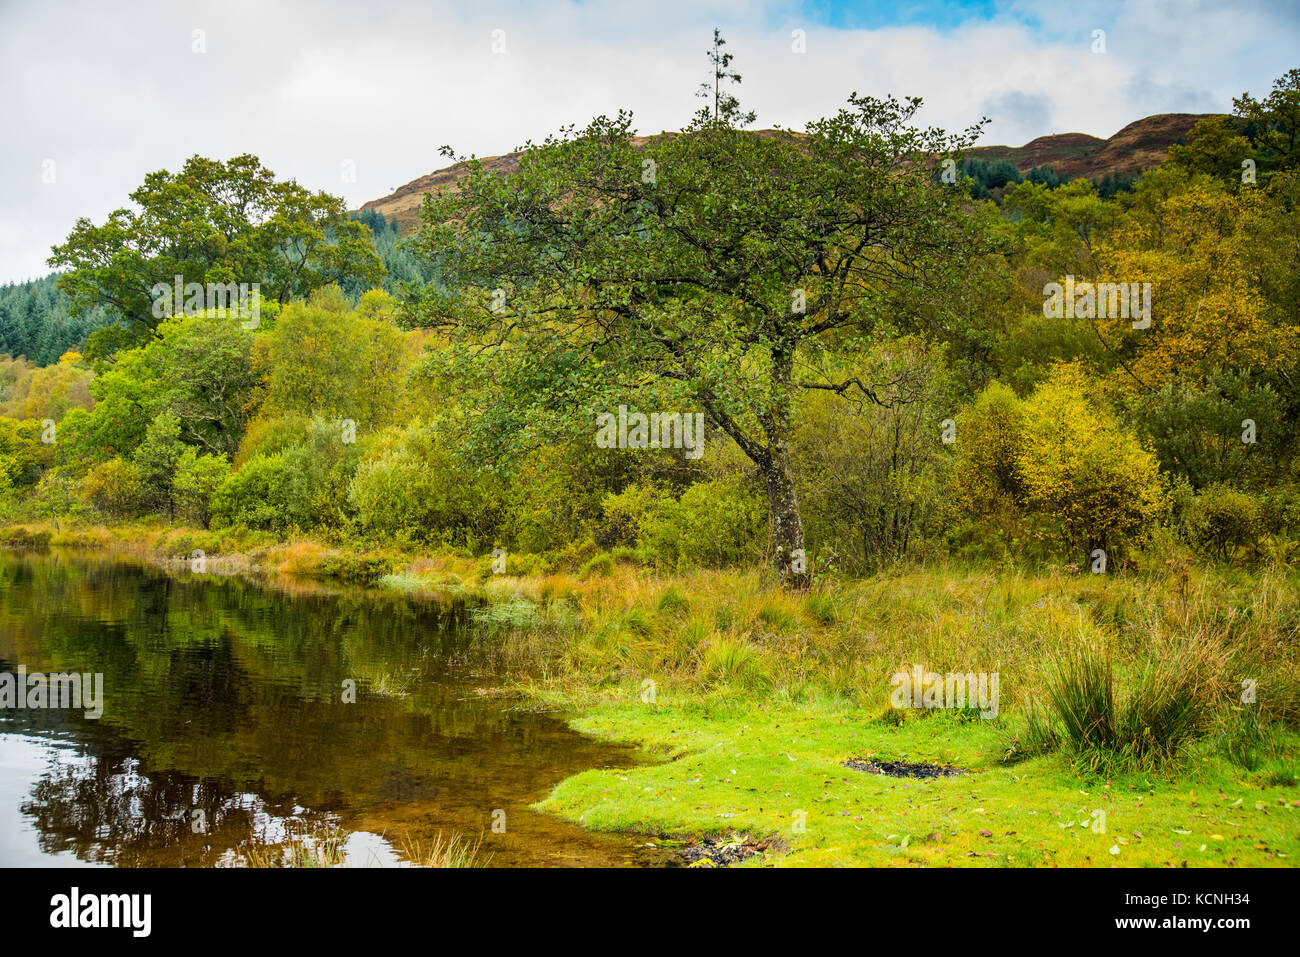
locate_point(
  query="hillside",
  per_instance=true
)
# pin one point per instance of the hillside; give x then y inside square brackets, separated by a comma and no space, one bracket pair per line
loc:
[1139,146]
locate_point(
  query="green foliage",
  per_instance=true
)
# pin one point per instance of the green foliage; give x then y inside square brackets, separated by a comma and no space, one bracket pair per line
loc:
[1216,147]
[712,524]
[1201,432]
[873,472]
[197,479]
[1033,343]
[1273,124]
[402,268]
[196,369]
[597,566]
[157,459]
[1222,519]
[704,286]
[1166,708]
[114,489]
[212,222]
[409,488]
[320,359]
[1060,454]
[256,496]
[23,456]
[988,175]
[36,321]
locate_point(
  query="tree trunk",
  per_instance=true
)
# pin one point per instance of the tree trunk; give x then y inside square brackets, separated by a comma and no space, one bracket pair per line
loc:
[787,523]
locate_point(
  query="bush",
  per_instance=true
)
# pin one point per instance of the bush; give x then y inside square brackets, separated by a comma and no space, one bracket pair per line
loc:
[1222,519]
[197,479]
[256,496]
[112,488]
[407,487]
[355,569]
[990,437]
[714,523]
[1198,433]
[1080,466]
[597,567]
[872,475]
[1061,463]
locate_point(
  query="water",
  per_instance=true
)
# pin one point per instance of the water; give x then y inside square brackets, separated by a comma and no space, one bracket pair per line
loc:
[225,730]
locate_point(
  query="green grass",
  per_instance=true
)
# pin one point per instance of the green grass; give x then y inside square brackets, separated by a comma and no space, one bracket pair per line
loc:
[1119,698]
[748,767]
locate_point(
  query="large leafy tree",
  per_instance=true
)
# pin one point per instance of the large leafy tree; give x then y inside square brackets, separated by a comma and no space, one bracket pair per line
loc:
[1273,123]
[717,269]
[211,222]
[198,370]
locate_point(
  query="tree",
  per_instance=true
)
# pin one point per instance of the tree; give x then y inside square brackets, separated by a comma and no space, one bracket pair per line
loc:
[205,379]
[322,360]
[157,459]
[713,269]
[197,368]
[1215,147]
[197,479]
[1273,124]
[1203,248]
[213,222]
[1060,456]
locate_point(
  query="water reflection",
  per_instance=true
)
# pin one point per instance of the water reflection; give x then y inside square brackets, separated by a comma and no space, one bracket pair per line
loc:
[227,726]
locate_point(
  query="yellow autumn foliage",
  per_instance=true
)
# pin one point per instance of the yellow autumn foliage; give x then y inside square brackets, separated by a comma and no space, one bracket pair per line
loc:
[1198,249]
[1061,454]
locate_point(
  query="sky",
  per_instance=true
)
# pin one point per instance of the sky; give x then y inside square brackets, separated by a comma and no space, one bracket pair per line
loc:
[356,98]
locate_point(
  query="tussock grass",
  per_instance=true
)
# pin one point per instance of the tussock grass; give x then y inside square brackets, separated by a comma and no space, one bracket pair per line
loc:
[1117,670]
[297,852]
[456,851]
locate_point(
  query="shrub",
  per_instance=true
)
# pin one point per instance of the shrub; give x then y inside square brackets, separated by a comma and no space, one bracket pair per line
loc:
[714,523]
[821,609]
[1222,519]
[256,496]
[597,567]
[872,474]
[1198,432]
[113,488]
[197,479]
[1080,466]
[1060,464]
[1081,691]
[990,437]
[355,569]
[408,487]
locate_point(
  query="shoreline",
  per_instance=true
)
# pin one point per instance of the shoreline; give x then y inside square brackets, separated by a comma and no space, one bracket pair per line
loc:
[768,711]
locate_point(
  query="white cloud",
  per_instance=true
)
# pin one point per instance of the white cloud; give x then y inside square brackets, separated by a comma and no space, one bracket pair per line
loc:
[112,93]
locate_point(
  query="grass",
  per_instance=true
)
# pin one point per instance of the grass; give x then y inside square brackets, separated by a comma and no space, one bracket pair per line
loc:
[456,851]
[1119,704]
[1166,698]
[297,852]
[769,769]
